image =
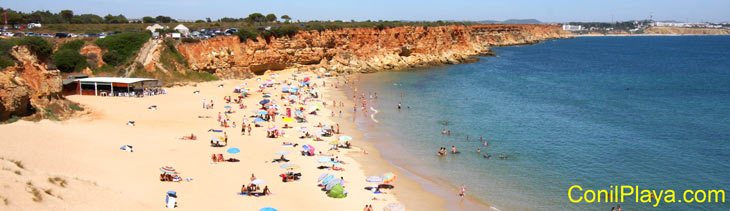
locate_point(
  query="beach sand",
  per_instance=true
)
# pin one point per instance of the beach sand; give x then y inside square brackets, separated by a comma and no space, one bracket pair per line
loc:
[84,152]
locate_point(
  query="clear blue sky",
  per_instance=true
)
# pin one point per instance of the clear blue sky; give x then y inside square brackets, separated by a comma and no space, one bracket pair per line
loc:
[544,10]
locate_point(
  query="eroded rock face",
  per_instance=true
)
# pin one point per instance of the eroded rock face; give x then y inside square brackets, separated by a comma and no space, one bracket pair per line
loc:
[28,87]
[93,55]
[358,49]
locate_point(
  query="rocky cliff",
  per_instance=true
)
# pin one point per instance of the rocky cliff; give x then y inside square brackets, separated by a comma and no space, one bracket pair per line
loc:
[358,49]
[29,89]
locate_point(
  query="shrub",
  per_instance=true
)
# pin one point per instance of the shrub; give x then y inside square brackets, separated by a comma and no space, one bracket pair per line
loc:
[40,46]
[68,60]
[75,107]
[190,40]
[113,57]
[246,34]
[122,46]
[73,45]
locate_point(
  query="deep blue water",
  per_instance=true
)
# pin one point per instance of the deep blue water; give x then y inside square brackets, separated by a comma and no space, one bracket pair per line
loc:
[646,111]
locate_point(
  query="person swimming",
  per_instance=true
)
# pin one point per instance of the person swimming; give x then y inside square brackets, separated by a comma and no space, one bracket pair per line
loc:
[479,150]
[453,150]
[443,132]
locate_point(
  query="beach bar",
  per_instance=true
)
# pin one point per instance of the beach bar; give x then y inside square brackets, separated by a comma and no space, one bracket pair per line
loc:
[110,86]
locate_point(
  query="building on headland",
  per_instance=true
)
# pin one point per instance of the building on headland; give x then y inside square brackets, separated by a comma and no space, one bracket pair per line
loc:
[685,24]
[568,27]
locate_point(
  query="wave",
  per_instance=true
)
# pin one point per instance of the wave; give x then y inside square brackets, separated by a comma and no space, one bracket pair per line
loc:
[372,116]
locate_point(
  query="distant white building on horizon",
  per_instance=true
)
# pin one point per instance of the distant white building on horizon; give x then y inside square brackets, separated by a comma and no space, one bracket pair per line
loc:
[568,27]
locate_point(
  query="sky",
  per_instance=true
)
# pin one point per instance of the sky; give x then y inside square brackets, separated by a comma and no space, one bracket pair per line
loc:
[413,10]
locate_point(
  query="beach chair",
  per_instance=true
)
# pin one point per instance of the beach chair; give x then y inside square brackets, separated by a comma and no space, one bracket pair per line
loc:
[171,199]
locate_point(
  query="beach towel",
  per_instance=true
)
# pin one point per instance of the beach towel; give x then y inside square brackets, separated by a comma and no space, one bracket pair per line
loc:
[215,131]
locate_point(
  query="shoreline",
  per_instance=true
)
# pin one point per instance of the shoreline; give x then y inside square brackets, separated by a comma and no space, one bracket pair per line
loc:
[422,191]
[644,35]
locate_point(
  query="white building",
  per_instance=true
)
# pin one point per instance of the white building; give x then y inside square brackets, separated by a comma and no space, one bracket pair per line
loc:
[34,25]
[567,27]
[182,29]
[155,27]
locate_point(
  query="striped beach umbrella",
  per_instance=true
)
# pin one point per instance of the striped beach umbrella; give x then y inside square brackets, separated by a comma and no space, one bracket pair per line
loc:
[168,169]
[388,177]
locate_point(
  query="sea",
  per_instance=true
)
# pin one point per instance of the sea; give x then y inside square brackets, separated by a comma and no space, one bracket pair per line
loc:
[597,112]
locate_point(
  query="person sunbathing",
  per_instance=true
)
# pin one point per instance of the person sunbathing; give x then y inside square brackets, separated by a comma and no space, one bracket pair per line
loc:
[163,176]
[282,159]
[213,158]
[244,190]
[191,137]
[220,158]
[266,190]
[335,168]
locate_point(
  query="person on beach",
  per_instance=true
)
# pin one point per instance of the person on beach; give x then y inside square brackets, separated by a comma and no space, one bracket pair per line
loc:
[243,129]
[211,104]
[479,150]
[253,177]
[453,149]
[487,156]
[220,117]
[204,104]
[340,114]
[448,132]
[266,191]
[399,105]
[443,132]
[485,144]
[480,138]
[462,192]
[249,129]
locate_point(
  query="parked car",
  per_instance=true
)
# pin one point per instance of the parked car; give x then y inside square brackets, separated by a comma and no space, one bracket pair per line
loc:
[19,34]
[30,34]
[61,35]
[46,35]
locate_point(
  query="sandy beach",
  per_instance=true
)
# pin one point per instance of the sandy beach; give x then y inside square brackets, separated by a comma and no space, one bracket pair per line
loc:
[84,153]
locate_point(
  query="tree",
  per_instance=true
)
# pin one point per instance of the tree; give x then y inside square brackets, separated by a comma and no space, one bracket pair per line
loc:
[37,45]
[148,19]
[270,17]
[67,15]
[199,21]
[286,18]
[163,19]
[256,17]
[14,17]
[207,20]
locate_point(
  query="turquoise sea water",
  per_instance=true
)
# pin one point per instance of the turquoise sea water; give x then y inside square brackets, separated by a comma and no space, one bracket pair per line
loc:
[594,112]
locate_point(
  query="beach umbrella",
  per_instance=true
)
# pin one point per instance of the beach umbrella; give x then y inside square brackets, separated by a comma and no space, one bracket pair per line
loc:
[271,129]
[334,142]
[282,152]
[264,102]
[288,119]
[303,129]
[285,89]
[326,127]
[319,133]
[258,120]
[322,176]
[345,138]
[262,112]
[327,179]
[227,107]
[312,109]
[267,209]
[293,97]
[394,207]
[388,177]
[216,139]
[309,148]
[318,105]
[324,159]
[233,150]
[334,182]
[289,166]
[297,112]
[168,169]
[258,182]
[374,179]
[267,95]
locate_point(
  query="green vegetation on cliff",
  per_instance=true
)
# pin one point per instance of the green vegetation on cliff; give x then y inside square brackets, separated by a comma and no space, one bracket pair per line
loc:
[68,59]
[121,47]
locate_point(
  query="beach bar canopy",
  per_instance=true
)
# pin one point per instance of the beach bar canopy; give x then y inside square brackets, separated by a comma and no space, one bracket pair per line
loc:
[108,86]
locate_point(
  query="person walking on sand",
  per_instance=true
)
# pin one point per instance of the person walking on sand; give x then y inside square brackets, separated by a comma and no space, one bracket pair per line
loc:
[249,129]
[462,192]
[204,103]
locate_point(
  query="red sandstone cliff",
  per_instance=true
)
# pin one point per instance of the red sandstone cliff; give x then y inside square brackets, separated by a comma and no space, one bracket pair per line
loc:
[358,49]
[29,88]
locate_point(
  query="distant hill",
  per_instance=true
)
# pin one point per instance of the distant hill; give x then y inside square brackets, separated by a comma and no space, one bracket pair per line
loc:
[512,21]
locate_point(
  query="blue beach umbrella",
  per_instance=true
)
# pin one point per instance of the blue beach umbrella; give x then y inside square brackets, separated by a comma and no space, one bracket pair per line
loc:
[298,112]
[322,176]
[262,112]
[233,150]
[258,120]
[264,102]
[267,209]
[324,159]
[227,106]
